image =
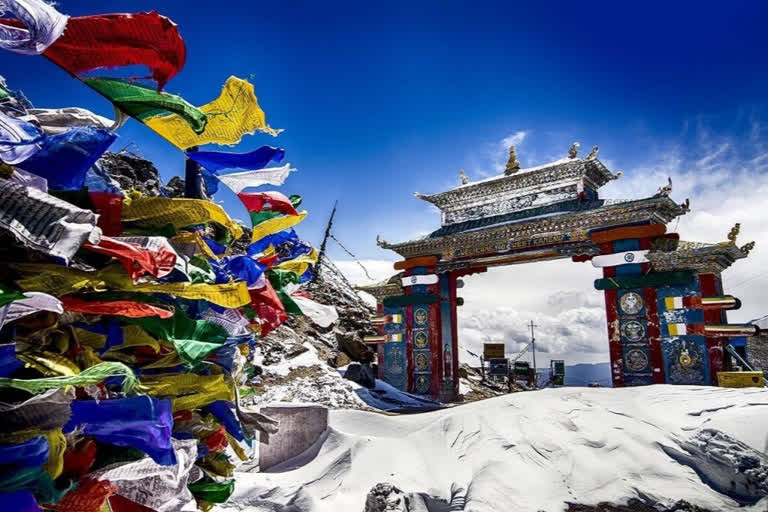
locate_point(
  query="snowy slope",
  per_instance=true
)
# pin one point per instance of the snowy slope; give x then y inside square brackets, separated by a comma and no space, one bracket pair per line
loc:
[535,451]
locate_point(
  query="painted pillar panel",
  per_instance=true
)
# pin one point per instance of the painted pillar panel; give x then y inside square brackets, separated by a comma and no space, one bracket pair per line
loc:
[424,338]
[711,286]
[612,318]
[446,341]
[393,362]
[654,335]
[686,358]
[454,335]
[379,349]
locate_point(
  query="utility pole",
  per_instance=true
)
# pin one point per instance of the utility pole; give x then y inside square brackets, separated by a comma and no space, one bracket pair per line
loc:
[533,353]
[325,240]
[193,178]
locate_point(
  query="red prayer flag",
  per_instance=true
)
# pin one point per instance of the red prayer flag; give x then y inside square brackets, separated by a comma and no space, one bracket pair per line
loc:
[89,496]
[268,201]
[110,208]
[113,40]
[268,308]
[136,259]
[125,308]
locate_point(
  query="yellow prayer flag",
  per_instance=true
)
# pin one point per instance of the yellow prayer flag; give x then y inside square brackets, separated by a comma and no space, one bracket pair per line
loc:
[232,115]
[271,226]
[179,212]
[57,280]
[300,264]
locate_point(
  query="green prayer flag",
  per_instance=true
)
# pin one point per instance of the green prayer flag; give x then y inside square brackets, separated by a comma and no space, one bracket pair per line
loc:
[9,294]
[193,339]
[143,103]
[215,492]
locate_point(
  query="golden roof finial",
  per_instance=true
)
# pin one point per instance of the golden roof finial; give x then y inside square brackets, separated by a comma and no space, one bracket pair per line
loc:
[463,177]
[593,154]
[747,247]
[573,151]
[734,233]
[513,165]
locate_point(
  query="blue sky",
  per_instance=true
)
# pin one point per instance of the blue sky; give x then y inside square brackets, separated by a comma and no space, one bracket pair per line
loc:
[380,99]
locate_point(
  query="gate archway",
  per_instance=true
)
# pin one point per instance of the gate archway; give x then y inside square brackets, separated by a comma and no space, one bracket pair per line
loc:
[664,301]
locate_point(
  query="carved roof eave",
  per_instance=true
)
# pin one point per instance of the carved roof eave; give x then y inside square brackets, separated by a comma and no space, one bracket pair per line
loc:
[703,258]
[389,288]
[595,175]
[654,209]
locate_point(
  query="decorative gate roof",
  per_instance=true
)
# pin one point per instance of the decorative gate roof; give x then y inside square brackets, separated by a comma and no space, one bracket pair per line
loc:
[524,210]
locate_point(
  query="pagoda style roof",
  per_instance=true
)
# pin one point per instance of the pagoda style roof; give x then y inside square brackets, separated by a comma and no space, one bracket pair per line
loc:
[560,181]
[388,288]
[562,224]
[701,257]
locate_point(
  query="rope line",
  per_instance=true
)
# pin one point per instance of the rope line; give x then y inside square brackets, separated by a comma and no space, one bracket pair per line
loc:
[353,256]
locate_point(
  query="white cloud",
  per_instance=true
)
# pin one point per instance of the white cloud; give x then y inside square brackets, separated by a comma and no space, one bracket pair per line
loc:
[515,139]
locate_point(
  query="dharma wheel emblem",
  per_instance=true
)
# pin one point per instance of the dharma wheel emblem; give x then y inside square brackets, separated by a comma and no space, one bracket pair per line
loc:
[420,316]
[633,330]
[629,257]
[421,361]
[631,303]
[636,360]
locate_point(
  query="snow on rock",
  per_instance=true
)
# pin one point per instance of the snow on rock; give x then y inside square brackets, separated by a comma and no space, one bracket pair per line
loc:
[540,451]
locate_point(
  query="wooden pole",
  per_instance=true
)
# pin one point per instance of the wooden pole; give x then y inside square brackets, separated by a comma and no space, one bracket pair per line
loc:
[321,254]
[193,178]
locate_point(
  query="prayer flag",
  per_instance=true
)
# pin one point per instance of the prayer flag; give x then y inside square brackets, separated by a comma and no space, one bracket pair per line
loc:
[232,115]
[216,161]
[144,103]
[113,40]
[35,27]
[239,181]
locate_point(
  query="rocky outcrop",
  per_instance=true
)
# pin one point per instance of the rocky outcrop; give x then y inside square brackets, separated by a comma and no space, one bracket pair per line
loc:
[386,497]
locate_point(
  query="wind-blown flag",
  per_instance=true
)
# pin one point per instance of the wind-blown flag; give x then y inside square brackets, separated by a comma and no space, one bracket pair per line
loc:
[144,103]
[239,181]
[268,244]
[62,159]
[114,40]
[35,27]
[263,206]
[18,139]
[268,308]
[232,115]
[59,120]
[216,161]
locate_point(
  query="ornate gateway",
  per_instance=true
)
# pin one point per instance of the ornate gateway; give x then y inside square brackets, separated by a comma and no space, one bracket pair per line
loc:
[664,303]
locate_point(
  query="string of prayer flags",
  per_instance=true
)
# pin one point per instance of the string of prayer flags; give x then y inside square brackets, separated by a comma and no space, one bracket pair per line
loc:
[234,114]
[178,212]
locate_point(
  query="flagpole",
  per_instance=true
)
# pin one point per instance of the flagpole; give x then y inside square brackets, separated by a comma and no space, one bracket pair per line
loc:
[193,178]
[325,240]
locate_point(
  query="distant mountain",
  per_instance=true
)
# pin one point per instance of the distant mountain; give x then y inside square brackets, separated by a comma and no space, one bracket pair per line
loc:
[582,374]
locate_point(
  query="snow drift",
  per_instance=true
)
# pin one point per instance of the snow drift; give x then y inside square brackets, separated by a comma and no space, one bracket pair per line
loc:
[537,451]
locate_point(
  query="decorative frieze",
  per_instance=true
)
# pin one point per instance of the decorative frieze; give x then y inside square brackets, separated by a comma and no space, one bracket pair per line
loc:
[555,230]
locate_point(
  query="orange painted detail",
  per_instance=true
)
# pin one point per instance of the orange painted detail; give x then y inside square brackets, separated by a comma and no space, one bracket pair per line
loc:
[422,261]
[647,231]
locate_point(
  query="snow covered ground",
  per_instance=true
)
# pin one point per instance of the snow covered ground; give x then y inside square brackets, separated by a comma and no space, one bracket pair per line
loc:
[536,451]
